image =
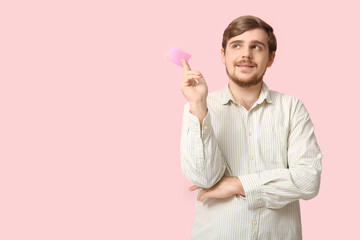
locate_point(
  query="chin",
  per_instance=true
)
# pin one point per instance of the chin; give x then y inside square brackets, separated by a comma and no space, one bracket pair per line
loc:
[246,83]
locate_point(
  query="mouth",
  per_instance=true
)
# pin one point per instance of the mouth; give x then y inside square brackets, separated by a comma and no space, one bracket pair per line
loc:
[245,66]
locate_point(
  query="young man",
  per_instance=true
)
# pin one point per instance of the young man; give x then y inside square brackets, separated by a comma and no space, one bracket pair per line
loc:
[250,152]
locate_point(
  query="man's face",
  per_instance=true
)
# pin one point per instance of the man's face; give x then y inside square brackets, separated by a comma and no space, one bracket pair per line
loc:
[247,57]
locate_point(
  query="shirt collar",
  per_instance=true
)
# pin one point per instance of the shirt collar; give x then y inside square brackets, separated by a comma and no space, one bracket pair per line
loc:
[264,95]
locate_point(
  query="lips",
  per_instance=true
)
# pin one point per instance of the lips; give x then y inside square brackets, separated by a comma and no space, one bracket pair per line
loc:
[245,66]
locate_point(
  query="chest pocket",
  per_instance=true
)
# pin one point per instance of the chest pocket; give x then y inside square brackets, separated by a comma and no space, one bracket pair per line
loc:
[274,143]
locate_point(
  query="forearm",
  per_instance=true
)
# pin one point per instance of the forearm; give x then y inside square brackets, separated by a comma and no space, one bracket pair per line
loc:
[199,110]
[301,180]
[201,159]
[226,187]
[277,187]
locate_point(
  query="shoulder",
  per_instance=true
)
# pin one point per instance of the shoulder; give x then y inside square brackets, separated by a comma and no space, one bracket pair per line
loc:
[288,103]
[283,99]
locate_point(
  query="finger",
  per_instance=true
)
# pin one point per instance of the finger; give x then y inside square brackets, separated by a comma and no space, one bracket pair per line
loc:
[190,82]
[201,193]
[203,197]
[206,194]
[189,77]
[185,64]
[193,72]
[194,75]
[193,187]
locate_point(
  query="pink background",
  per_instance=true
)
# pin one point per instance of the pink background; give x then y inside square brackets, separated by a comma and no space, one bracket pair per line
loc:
[91,111]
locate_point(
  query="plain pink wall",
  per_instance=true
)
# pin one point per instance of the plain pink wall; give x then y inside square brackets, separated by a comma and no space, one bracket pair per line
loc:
[90,111]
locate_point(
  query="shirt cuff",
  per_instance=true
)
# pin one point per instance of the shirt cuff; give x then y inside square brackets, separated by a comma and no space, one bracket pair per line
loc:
[252,189]
[193,124]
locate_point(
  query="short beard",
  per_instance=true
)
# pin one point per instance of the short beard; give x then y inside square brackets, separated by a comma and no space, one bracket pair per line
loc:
[245,84]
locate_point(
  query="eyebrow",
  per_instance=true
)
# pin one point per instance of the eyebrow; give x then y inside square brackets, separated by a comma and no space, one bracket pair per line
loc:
[253,41]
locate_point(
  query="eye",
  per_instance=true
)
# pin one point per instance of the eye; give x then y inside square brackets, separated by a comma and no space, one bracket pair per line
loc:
[236,46]
[256,47]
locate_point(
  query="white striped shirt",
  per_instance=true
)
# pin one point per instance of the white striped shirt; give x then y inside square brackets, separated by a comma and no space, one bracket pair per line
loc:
[271,148]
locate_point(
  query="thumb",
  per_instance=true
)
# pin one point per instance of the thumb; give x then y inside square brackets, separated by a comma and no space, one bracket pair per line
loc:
[204,195]
[193,187]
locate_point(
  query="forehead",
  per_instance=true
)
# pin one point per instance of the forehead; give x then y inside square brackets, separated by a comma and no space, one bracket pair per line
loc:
[252,35]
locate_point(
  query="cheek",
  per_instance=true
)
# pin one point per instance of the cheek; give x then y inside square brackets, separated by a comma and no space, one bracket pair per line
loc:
[230,60]
[263,62]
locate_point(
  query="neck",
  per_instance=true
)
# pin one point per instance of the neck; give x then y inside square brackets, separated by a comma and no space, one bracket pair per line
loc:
[245,96]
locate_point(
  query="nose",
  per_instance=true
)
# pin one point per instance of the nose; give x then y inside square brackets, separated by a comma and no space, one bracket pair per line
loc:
[246,53]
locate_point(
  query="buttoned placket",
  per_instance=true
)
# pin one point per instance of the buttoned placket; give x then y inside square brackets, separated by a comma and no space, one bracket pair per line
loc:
[251,140]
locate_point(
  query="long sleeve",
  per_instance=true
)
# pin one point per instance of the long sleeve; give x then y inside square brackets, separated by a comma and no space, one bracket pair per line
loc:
[276,188]
[201,160]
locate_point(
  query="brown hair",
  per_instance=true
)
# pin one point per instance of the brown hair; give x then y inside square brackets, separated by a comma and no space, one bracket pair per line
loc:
[245,23]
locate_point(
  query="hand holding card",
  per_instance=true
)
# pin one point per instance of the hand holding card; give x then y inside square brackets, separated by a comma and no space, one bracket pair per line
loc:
[195,90]
[193,85]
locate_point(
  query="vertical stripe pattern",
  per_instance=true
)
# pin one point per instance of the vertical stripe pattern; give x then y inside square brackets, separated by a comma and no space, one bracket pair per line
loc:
[271,148]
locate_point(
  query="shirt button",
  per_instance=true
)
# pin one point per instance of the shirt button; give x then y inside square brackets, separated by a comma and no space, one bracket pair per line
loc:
[205,127]
[254,222]
[251,158]
[249,133]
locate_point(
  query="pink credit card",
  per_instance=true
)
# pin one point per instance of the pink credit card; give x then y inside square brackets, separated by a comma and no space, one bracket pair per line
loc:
[175,55]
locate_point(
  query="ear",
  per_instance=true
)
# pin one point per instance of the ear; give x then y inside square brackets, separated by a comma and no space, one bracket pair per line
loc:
[222,55]
[271,60]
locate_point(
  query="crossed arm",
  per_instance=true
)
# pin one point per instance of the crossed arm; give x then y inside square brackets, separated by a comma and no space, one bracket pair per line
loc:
[226,187]
[272,188]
